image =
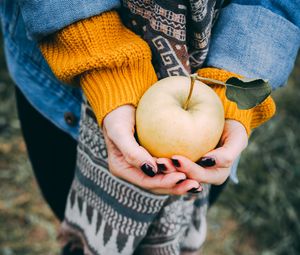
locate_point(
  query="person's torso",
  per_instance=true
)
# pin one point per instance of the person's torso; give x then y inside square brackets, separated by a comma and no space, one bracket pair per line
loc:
[177,32]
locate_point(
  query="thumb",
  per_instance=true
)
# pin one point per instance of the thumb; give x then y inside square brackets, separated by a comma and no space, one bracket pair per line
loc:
[225,155]
[233,141]
[222,157]
[135,154]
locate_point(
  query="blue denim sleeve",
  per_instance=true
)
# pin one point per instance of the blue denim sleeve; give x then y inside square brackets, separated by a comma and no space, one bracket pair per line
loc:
[257,40]
[43,17]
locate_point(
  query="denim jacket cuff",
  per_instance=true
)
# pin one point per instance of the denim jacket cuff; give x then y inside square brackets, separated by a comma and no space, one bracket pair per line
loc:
[43,18]
[254,42]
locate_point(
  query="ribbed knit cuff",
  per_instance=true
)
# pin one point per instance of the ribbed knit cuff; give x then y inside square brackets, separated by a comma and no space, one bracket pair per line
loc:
[231,110]
[112,63]
[108,89]
[249,118]
[263,112]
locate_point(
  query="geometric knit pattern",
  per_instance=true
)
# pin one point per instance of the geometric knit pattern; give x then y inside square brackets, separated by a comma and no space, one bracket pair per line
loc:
[178,32]
[107,215]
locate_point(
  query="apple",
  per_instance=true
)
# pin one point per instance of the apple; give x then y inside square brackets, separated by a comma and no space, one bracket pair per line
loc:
[175,118]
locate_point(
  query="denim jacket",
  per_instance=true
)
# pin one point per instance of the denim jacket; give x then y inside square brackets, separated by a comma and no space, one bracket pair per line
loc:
[254,38]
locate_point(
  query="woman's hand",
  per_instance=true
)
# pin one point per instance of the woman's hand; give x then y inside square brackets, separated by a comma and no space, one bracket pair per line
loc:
[126,158]
[214,167]
[118,127]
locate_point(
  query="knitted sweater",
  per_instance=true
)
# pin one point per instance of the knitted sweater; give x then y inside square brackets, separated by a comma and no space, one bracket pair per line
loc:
[113,66]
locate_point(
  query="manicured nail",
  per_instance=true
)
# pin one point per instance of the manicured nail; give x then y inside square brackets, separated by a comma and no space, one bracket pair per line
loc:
[200,188]
[175,162]
[180,181]
[194,190]
[161,167]
[148,170]
[206,162]
[136,137]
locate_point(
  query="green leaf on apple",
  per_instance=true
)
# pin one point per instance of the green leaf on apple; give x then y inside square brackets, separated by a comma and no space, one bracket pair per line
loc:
[247,93]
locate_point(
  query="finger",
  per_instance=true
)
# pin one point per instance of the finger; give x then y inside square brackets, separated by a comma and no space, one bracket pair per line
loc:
[193,171]
[233,141]
[165,165]
[161,184]
[163,181]
[221,157]
[184,187]
[225,155]
[133,153]
[137,177]
[174,183]
[119,125]
[187,186]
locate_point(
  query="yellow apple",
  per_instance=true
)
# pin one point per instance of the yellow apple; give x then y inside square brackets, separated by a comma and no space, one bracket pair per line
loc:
[165,128]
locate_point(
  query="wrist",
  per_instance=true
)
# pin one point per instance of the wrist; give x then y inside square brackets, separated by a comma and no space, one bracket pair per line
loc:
[238,126]
[109,89]
[121,118]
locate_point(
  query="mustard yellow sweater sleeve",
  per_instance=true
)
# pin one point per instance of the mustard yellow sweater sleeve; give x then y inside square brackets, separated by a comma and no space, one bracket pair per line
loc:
[113,67]
[111,63]
[251,118]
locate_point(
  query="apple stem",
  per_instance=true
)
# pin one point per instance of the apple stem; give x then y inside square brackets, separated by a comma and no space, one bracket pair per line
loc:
[193,79]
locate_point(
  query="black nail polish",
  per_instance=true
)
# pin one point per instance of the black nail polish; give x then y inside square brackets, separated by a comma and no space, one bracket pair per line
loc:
[180,181]
[161,167]
[194,190]
[148,170]
[136,137]
[206,162]
[175,162]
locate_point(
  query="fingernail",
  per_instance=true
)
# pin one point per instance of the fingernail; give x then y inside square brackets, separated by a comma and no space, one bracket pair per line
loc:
[136,137]
[200,188]
[175,162]
[195,190]
[180,181]
[206,162]
[148,170]
[161,167]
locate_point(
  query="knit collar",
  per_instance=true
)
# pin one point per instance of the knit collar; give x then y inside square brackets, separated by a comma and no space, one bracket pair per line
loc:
[178,31]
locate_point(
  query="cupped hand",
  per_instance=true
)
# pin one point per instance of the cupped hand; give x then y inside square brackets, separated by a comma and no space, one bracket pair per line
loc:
[119,128]
[133,163]
[214,167]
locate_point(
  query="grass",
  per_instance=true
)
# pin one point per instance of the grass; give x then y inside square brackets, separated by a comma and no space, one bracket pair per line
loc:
[267,203]
[27,226]
[258,216]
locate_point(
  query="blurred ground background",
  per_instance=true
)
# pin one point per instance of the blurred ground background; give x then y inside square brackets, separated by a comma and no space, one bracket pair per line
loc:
[258,216]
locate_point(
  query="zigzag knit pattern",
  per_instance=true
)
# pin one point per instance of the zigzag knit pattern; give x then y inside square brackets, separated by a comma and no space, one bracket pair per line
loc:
[105,215]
